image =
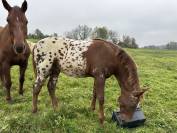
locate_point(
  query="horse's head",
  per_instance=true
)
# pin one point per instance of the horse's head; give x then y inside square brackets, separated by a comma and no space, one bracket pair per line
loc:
[128,103]
[17,23]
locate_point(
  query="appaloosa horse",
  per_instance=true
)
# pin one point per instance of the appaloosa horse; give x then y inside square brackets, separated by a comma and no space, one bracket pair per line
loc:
[13,47]
[95,58]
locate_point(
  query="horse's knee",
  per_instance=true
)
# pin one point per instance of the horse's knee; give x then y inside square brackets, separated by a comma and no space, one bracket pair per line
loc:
[36,88]
[52,83]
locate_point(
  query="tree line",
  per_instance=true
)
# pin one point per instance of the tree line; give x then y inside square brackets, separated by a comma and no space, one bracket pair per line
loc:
[83,32]
[170,46]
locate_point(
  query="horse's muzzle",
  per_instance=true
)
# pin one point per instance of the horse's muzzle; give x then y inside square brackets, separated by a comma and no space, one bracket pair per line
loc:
[19,49]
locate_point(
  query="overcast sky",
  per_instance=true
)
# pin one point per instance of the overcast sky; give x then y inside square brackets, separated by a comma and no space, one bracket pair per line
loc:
[151,22]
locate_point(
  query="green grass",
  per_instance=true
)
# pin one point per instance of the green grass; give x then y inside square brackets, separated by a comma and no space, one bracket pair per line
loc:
[157,70]
[33,40]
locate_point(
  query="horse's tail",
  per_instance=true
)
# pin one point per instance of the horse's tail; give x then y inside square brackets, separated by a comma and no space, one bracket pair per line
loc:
[34,63]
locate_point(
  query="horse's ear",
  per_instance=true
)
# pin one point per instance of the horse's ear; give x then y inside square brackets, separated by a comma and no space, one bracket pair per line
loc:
[24,6]
[138,94]
[6,5]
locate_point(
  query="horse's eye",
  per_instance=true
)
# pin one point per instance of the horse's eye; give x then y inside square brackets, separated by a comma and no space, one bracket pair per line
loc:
[7,20]
[27,22]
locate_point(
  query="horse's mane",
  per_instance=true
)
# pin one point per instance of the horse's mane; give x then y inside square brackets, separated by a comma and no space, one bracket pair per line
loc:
[130,70]
[100,39]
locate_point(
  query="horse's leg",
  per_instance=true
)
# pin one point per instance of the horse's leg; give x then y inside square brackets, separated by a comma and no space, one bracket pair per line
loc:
[6,79]
[52,84]
[94,96]
[99,86]
[22,77]
[1,75]
[41,77]
[36,90]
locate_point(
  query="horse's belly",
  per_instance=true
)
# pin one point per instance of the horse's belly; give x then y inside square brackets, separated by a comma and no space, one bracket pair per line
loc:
[73,63]
[74,68]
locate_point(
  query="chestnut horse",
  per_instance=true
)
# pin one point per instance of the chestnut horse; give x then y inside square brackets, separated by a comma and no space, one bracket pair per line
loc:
[1,29]
[14,49]
[95,58]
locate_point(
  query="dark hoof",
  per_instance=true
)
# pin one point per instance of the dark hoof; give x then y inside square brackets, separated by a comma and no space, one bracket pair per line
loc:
[101,120]
[9,101]
[20,93]
[92,109]
[8,98]
[101,124]
[34,111]
[55,107]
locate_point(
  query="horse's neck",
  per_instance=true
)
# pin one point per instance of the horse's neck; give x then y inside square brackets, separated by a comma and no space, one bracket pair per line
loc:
[4,35]
[128,76]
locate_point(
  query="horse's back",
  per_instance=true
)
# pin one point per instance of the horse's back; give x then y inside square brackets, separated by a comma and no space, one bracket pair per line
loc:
[75,57]
[101,52]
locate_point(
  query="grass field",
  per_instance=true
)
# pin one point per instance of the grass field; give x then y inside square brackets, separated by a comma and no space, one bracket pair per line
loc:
[157,70]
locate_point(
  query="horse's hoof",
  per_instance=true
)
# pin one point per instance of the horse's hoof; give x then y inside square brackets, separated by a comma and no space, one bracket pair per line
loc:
[9,101]
[56,108]
[20,93]
[101,123]
[92,108]
[34,111]
[8,98]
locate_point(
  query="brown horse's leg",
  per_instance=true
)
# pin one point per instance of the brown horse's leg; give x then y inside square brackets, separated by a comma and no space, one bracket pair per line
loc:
[94,96]
[99,85]
[6,79]
[22,77]
[51,89]
[52,84]
[36,90]
[1,76]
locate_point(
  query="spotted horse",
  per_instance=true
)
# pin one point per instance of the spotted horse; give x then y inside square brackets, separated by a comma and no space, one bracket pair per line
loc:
[94,58]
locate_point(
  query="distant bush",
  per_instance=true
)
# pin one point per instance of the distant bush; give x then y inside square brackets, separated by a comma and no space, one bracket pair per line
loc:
[37,35]
[169,46]
[128,42]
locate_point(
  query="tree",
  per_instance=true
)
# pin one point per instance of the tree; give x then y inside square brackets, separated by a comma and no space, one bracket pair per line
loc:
[55,35]
[100,32]
[171,45]
[38,34]
[134,44]
[81,32]
[128,42]
[113,36]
